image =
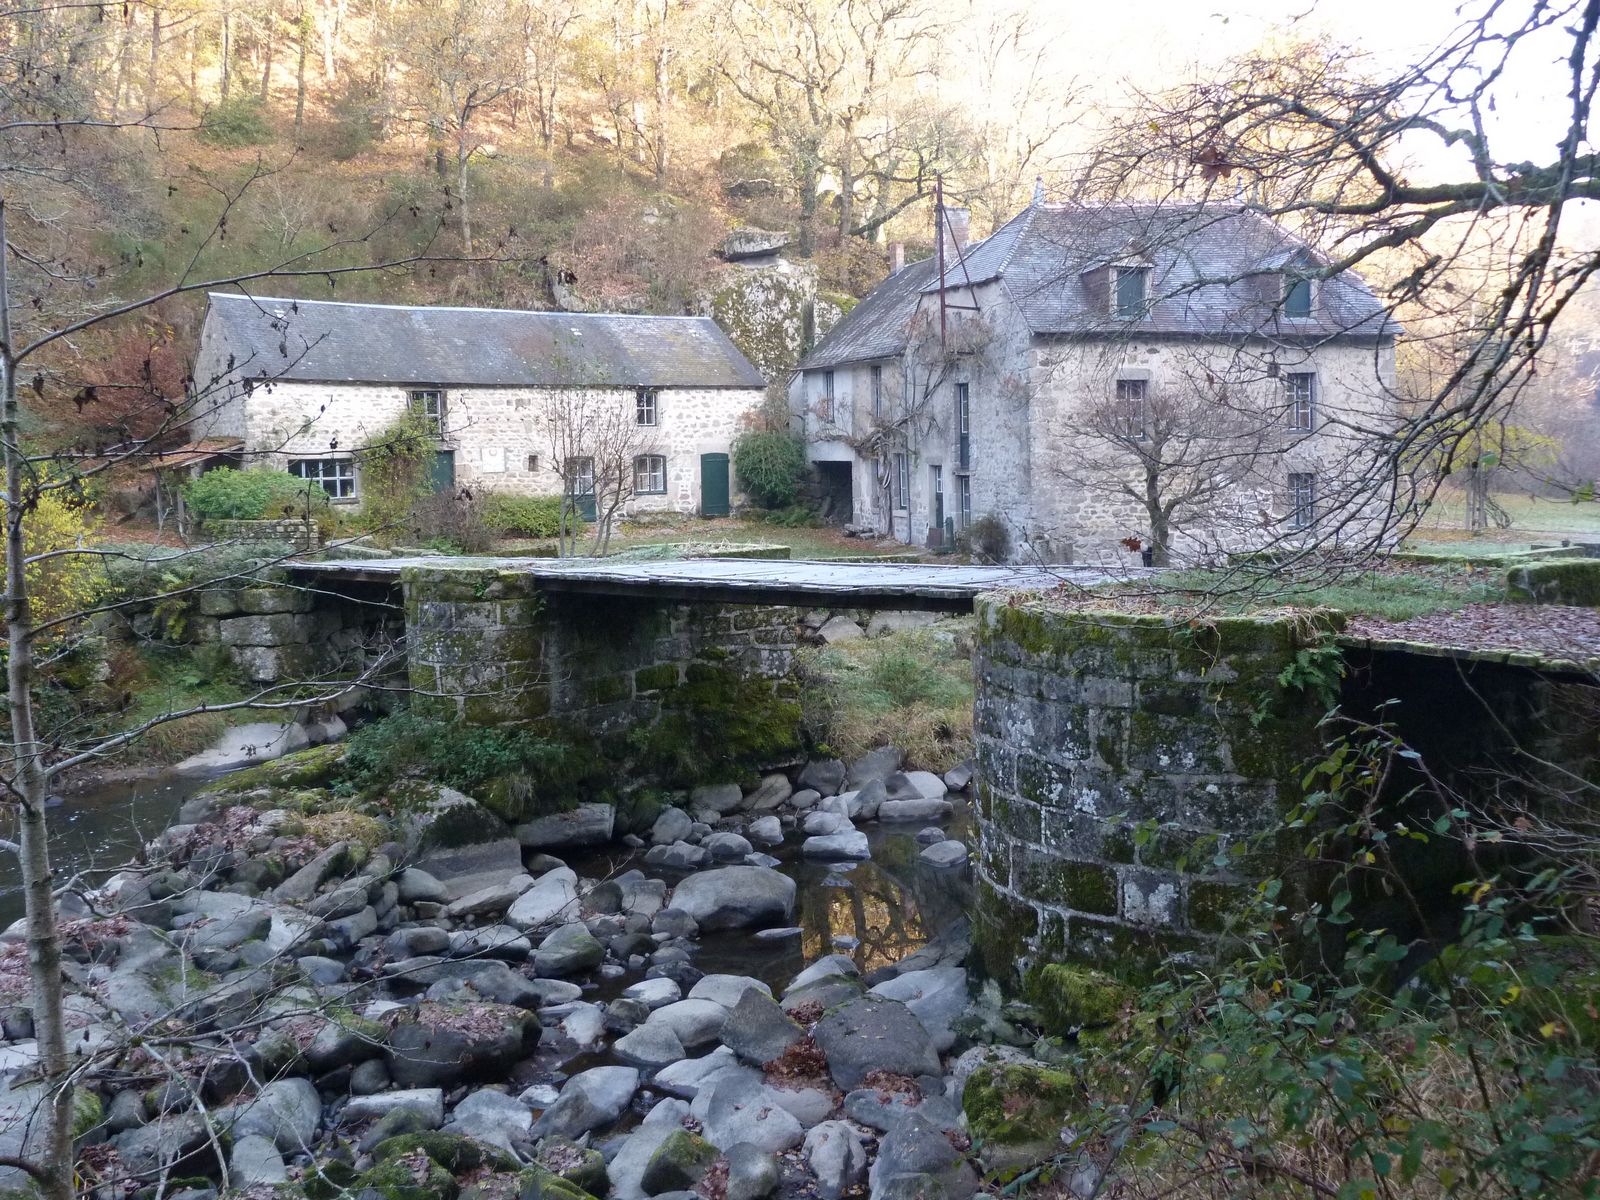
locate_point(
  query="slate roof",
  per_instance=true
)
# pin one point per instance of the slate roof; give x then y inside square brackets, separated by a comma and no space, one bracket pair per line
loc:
[1212,274]
[329,341]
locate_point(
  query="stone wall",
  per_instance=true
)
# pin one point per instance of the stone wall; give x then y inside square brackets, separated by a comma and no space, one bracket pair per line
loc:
[302,535]
[279,633]
[666,678]
[1110,746]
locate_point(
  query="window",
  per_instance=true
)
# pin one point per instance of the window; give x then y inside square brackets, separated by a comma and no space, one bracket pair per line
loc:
[336,475]
[580,476]
[963,427]
[825,405]
[1300,398]
[1302,500]
[1128,416]
[644,406]
[877,392]
[936,491]
[964,500]
[902,481]
[428,403]
[650,475]
[1296,297]
[1132,285]
[533,463]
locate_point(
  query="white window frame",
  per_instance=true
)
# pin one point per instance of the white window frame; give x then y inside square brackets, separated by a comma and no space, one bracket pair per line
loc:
[647,406]
[902,481]
[1132,401]
[964,426]
[342,475]
[417,400]
[964,500]
[649,468]
[1300,400]
[826,403]
[579,475]
[1302,500]
[877,390]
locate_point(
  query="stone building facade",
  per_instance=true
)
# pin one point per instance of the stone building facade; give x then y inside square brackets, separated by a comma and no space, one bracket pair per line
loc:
[308,385]
[985,392]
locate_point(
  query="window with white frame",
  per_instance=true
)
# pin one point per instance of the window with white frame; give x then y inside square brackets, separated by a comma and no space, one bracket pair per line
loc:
[1128,416]
[428,403]
[902,481]
[1302,500]
[825,404]
[1130,294]
[580,476]
[964,500]
[963,426]
[336,475]
[650,475]
[645,404]
[1300,399]
[877,392]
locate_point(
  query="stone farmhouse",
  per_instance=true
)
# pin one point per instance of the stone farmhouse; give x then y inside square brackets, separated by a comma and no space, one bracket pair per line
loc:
[306,384]
[978,383]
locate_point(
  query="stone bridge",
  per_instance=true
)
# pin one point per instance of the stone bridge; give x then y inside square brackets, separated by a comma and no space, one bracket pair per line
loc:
[691,662]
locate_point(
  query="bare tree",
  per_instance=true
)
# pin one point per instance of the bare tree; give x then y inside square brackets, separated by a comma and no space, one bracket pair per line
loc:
[598,445]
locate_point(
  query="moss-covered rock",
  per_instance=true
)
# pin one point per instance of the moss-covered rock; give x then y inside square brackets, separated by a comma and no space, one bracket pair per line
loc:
[413,1176]
[719,724]
[1073,997]
[453,1151]
[1016,1112]
[303,769]
[537,1183]
[680,1162]
[581,1166]
[87,1111]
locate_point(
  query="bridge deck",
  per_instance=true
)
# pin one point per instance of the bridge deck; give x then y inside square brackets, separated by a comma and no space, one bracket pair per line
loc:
[738,581]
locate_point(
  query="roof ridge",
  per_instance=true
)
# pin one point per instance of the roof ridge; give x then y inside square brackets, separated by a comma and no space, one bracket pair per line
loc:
[261,301]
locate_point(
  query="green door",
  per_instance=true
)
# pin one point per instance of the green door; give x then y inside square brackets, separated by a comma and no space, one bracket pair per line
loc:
[714,485]
[442,477]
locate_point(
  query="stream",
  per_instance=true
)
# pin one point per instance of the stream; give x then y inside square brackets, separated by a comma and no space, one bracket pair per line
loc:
[876,912]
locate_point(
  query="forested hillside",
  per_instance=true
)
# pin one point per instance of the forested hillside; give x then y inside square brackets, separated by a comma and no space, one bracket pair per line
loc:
[534,153]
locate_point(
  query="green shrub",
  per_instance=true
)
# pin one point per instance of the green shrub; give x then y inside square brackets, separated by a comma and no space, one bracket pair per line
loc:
[523,516]
[227,494]
[394,474]
[771,465]
[236,122]
[796,516]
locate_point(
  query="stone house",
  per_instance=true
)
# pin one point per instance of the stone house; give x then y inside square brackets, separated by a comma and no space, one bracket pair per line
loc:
[989,379]
[306,384]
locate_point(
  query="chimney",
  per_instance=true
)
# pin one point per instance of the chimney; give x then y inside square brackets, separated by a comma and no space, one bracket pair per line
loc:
[897,257]
[953,227]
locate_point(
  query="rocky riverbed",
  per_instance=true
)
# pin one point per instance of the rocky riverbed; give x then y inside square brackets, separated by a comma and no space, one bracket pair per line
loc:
[294,998]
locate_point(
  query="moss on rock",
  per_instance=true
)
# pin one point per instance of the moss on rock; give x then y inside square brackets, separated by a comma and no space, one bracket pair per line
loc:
[1016,1112]
[537,1183]
[679,1163]
[1072,997]
[453,1151]
[311,768]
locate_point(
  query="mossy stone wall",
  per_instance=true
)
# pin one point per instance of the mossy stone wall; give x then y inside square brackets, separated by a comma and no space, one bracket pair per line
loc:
[1117,754]
[663,685]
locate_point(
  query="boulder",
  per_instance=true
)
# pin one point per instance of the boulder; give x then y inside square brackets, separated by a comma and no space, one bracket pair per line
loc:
[248,744]
[769,794]
[936,997]
[303,884]
[915,1158]
[491,899]
[680,856]
[738,1107]
[918,809]
[590,1100]
[765,831]
[959,778]
[255,1161]
[945,854]
[654,993]
[834,1152]
[426,1104]
[626,1169]
[847,846]
[569,950]
[490,941]
[721,798]
[825,776]
[726,989]
[686,1077]
[874,766]
[823,822]
[914,785]
[286,1112]
[552,899]
[839,629]
[726,847]
[872,1033]
[758,1030]
[752,1173]
[442,1045]
[672,825]
[695,1022]
[586,825]
[491,1117]
[883,624]
[736,897]
[1018,1111]
[649,1047]
[678,1164]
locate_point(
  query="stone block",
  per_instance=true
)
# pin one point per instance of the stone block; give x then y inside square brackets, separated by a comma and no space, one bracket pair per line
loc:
[1150,898]
[263,601]
[219,602]
[278,629]
[275,664]
[1087,887]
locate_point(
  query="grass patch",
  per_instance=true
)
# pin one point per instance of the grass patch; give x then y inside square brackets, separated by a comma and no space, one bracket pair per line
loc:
[162,679]
[910,689]
[1393,591]
[1528,514]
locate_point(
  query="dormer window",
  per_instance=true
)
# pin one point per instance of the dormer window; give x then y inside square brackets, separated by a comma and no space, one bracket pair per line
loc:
[1130,294]
[1296,297]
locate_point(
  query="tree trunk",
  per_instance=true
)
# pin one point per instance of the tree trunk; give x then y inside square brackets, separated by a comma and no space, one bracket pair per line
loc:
[29,784]
[463,154]
[153,74]
[303,25]
[194,67]
[847,180]
[1160,521]
[227,52]
[266,69]
[327,49]
[1477,499]
[807,244]
[663,157]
